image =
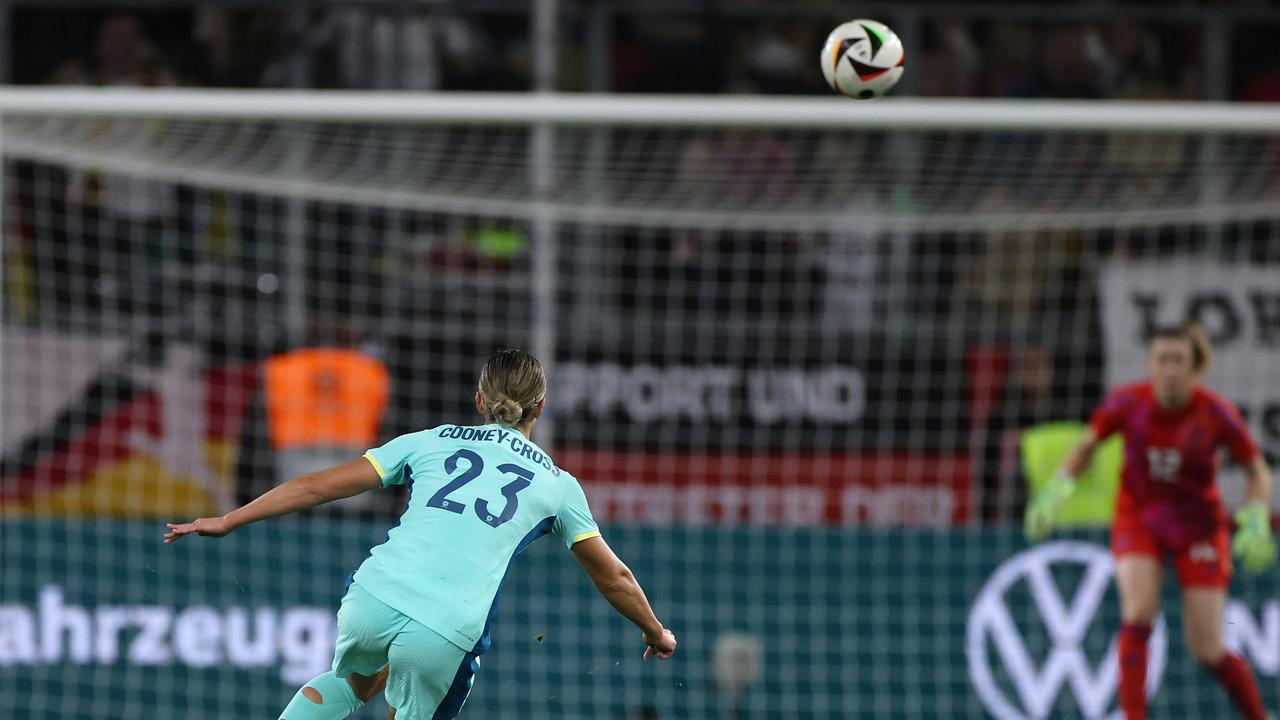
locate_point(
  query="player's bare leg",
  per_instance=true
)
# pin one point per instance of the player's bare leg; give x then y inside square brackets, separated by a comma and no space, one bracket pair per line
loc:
[367,687]
[328,697]
[1202,610]
[1202,622]
[1138,577]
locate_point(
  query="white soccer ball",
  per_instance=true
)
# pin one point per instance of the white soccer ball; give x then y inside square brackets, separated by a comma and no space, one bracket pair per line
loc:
[862,59]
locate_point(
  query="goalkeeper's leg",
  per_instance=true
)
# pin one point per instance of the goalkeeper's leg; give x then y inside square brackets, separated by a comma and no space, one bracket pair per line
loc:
[1138,577]
[1139,571]
[1202,609]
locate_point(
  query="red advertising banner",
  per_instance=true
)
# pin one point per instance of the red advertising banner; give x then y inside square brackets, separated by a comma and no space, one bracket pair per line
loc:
[876,489]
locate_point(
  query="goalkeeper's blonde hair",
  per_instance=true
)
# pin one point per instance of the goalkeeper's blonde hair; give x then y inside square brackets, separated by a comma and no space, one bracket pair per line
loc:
[512,383]
[1190,330]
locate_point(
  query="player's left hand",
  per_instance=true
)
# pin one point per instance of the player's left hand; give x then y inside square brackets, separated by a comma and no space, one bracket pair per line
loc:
[1254,544]
[663,647]
[208,527]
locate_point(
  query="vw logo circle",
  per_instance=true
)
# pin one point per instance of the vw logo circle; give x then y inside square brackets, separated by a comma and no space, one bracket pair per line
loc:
[1067,621]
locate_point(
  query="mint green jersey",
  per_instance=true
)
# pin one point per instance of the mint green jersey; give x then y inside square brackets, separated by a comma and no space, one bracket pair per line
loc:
[478,495]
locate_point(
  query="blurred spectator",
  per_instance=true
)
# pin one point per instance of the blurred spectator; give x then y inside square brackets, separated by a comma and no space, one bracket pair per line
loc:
[324,406]
[122,223]
[469,62]
[1070,65]
[409,47]
[951,64]
[376,48]
[671,55]
[1130,61]
[239,45]
[774,62]
[1011,62]
[122,56]
[779,59]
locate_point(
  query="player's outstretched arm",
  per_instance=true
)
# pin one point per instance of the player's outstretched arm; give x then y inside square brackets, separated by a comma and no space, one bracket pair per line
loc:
[1042,510]
[1080,455]
[614,580]
[299,493]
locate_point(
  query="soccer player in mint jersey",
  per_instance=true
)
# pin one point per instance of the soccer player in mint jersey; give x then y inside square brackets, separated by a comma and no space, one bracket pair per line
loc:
[415,619]
[1169,507]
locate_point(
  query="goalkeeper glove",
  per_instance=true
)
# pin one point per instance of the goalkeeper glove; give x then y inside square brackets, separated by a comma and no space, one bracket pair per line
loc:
[1254,544]
[1045,505]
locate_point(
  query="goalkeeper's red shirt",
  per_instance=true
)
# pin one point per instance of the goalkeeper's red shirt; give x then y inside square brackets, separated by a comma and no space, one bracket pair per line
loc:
[1171,459]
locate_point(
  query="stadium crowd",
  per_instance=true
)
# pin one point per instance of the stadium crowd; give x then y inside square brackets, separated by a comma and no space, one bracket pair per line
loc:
[705,48]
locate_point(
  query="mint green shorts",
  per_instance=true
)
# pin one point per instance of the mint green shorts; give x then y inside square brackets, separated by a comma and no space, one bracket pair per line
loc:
[429,677]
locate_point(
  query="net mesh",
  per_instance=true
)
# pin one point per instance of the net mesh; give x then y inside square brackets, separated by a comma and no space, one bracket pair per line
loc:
[792,369]
[776,179]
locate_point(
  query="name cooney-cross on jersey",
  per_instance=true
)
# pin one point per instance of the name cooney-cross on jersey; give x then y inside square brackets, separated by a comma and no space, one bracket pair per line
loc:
[478,496]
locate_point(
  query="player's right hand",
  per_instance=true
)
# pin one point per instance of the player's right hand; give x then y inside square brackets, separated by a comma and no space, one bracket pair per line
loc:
[209,527]
[662,646]
[1044,507]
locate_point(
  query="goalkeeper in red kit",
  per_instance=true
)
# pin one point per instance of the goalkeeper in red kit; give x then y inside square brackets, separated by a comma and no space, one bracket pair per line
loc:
[1169,508]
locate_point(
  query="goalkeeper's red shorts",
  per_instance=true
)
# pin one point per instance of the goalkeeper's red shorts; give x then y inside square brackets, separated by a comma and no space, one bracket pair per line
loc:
[1204,563]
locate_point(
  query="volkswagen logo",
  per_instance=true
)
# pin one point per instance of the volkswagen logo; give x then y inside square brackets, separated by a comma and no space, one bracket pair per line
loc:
[995,641]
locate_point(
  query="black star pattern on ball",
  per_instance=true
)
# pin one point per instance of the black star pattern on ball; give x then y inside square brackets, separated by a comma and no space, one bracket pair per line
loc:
[863,70]
[847,43]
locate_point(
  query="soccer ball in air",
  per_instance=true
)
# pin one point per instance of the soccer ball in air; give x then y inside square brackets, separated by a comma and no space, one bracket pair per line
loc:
[862,59]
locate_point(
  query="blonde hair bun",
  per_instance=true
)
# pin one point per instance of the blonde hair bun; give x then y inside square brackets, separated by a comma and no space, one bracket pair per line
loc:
[506,411]
[512,384]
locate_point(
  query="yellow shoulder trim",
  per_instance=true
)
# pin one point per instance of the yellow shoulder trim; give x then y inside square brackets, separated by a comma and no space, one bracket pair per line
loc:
[376,465]
[585,536]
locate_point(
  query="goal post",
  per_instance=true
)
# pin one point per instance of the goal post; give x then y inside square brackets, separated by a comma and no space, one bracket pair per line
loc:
[595,109]
[793,344]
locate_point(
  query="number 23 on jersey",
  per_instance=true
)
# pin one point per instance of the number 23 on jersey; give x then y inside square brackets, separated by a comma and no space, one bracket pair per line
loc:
[473,469]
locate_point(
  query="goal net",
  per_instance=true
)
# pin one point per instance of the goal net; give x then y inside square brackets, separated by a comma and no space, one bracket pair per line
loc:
[805,356]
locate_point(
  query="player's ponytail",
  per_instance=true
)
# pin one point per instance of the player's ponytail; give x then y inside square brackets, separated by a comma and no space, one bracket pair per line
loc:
[1190,330]
[506,411]
[512,384]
